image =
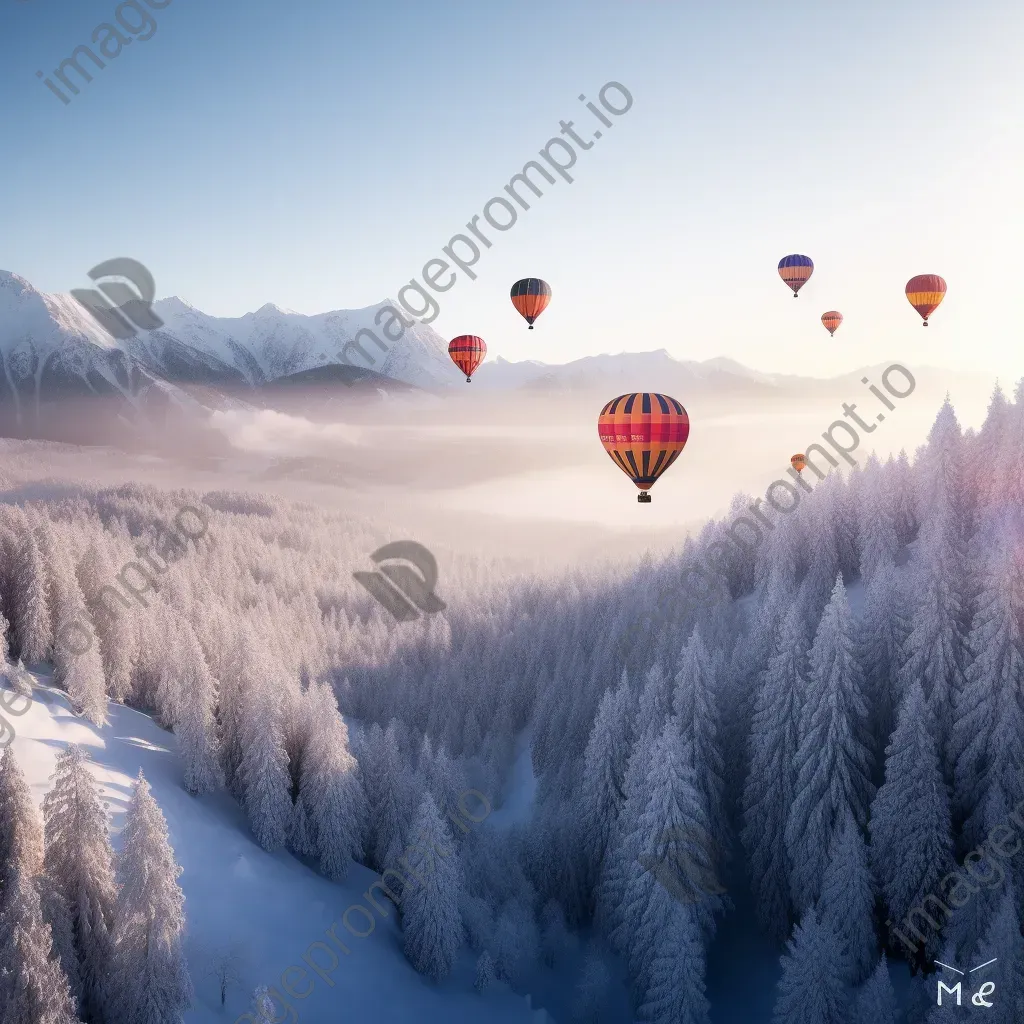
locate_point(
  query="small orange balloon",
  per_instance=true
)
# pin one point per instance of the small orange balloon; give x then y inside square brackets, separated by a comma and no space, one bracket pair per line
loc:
[799,462]
[832,319]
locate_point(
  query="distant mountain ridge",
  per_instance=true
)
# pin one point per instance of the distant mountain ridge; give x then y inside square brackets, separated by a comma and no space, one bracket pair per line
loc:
[54,356]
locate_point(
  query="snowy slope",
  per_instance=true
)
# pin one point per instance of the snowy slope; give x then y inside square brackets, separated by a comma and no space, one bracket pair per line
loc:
[265,907]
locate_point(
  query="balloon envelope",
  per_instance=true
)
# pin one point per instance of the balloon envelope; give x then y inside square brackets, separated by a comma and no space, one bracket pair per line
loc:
[531,297]
[644,433]
[795,270]
[799,462]
[832,320]
[467,352]
[925,292]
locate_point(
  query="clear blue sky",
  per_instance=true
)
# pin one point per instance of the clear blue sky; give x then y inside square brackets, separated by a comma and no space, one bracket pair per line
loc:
[317,154]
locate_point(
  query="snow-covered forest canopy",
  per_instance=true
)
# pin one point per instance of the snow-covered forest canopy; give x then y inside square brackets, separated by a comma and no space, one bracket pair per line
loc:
[828,733]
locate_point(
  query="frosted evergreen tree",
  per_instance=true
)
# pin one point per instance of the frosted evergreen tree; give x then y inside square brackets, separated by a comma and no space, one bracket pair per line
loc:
[937,646]
[58,917]
[431,923]
[989,448]
[21,827]
[695,705]
[331,801]
[195,720]
[940,472]
[1009,472]
[150,977]
[33,625]
[79,860]
[592,989]
[879,539]
[262,1007]
[771,783]
[77,666]
[847,903]
[833,760]
[604,770]
[674,978]
[987,738]
[388,786]
[672,852]
[484,972]
[911,838]
[811,990]
[33,988]
[95,572]
[882,633]
[263,772]
[876,1001]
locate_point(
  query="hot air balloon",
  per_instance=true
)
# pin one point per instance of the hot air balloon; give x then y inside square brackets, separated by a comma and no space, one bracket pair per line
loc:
[643,433]
[795,270]
[925,292]
[531,297]
[467,352]
[799,462]
[832,320]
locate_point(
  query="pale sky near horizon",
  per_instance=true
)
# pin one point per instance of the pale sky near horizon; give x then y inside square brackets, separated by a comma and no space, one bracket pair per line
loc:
[317,155]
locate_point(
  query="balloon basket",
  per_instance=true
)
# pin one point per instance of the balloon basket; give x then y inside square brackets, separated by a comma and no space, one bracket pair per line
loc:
[644,498]
[469,380]
[924,324]
[530,327]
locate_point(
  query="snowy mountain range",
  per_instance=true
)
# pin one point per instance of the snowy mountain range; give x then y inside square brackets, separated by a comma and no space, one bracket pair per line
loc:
[56,359]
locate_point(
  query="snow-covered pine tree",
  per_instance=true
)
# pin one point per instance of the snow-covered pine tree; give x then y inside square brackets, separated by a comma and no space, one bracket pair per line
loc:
[673,981]
[877,518]
[876,1000]
[937,647]
[771,783]
[833,758]
[149,980]
[811,989]
[847,903]
[77,666]
[33,626]
[21,827]
[33,988]
[911,833]
[882,631]
[484,972]
[95,572]
[263,772]
[987,737]
[331,800]
[604,772]
[556,939]
[431,923]
[195,721]
[58,917]
[79,860]
[695,705]
[516,943]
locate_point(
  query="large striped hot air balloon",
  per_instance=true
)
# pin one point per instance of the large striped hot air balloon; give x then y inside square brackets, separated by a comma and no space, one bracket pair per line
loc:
[795,270]
[467,352]
[799,462]
[643,433]
[531,297]
[832,319]
[925,292]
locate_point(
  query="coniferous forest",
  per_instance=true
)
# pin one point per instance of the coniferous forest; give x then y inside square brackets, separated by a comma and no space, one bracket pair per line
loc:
[827,746]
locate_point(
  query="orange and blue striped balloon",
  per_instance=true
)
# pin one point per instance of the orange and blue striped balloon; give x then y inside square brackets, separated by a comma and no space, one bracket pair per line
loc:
[643,433]
[467,352]
[531,297]
[925,292]
[795,270]
[832,319]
